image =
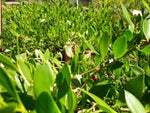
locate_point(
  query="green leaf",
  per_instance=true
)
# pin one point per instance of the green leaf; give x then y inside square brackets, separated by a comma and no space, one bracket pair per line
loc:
[6,83]
[101,104]
[146,5]
[28,101]
[104,44]
[25,72]
[127,17]
[44,78]
[133,103]
[146,50]
[137,70]
[120,47]
[147,107]
[146,27]
[75,64]
[63,81]
[47,55]
[91,47]
[10,108]
[70,101]
[116,65]
[100,90]
[22,56]
[68,50]
[39,54]
[46,104]
[136,86]
[7,62]
[14,33]
[128,34]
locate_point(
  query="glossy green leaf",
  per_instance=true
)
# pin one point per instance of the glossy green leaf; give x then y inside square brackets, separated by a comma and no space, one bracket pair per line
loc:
[7,62]
[46,104]
[75,64]
[63,81]
[6,83]
[137,70]
[44,78]
[146,50]
[133,103]
[136,86]
[91,47]
[120,47]
[146,27]
[104,44]
[25,72]
[10,108]
[128,35]
[101,104]
[127,17]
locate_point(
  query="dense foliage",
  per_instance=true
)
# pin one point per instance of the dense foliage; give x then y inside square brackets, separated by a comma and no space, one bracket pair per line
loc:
[108,68]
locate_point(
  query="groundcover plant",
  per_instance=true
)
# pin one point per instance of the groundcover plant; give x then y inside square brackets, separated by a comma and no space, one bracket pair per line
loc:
[113,76]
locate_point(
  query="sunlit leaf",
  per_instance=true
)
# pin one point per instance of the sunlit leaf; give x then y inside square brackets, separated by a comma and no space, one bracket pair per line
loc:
[120,47]
[128,35]
[91,47]
[44,78]
[101,104]
[69,52]
[127,17]
[10,108]
[133,103]
[104,44]
[137,70]
[146,5]
[7,62]
[25,71]
[146,27]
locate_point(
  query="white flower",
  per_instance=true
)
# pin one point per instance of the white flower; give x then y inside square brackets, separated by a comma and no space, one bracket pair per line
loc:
[137,12]
[111,60]
[42,20]
[78,76]
[7,50]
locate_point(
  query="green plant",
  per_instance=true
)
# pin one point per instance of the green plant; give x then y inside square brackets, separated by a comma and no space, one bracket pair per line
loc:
[35,79]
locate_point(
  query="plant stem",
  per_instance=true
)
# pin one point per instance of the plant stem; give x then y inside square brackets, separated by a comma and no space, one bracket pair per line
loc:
[100,69]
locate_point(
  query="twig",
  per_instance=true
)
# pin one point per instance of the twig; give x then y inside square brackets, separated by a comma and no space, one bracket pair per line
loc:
[91,70]
[100,69]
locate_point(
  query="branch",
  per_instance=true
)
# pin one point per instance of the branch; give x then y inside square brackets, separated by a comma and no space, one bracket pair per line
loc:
[100,69]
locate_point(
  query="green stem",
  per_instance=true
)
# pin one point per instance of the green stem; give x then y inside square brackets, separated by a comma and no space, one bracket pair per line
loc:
[17,43]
